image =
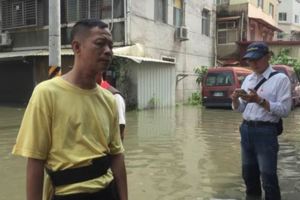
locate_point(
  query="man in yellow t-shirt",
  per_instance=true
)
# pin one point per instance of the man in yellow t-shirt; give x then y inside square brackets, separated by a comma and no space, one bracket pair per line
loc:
[70,127]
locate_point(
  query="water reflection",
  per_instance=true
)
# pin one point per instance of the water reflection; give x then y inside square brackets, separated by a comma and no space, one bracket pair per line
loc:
[192,153]
[183,153]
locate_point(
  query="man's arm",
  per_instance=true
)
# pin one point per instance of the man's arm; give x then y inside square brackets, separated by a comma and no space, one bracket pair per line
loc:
[235,100]
[119,173]
[35,179]
[121,111]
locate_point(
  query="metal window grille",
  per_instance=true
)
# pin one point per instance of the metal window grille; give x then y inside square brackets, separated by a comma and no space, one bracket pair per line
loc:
[75,10]
[161,10]
[282,17]
[222,2]
[84,9]
[260,4]
[18,13]
[227,32]
[227,36]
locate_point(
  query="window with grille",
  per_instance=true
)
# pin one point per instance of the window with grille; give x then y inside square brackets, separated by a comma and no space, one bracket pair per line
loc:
[297,19]
[160,11]
[100,9]
[227,32]
[282,16]
[260,4]
[205,22]
[18,13]
[222,2]
[178,12]
[112,12]
[280,36]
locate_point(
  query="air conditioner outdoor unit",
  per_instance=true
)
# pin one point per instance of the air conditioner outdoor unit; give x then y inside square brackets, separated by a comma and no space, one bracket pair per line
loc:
[182,33]
[5,39]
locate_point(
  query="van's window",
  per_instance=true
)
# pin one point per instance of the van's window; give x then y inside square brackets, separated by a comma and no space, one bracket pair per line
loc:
[221,78]
[281,70]
[294,78]
[241,78]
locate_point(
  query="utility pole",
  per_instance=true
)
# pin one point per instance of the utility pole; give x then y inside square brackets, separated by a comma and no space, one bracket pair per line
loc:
[54,39]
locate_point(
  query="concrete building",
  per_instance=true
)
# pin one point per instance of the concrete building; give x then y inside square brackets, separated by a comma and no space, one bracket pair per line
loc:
[170,37]
[243,20]
[289,20]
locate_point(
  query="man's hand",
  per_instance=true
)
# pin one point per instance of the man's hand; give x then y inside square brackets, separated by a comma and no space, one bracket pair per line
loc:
[238,93]
[235,97]
[252,97]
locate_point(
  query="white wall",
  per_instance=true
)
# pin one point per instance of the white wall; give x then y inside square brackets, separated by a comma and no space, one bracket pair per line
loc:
[287,7]
[158,39]
[291,8]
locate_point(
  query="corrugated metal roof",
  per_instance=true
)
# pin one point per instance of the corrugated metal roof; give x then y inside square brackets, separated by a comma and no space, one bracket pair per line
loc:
[14,54]
[144,59]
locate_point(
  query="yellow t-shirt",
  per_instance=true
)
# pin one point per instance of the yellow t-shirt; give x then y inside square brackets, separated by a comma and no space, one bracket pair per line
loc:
[67,127]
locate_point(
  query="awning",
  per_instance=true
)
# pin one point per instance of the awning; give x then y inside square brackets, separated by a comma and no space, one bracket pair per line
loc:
[15,54]
[221,19]
[138,59]
[133,50]
[261,21]
[133,53]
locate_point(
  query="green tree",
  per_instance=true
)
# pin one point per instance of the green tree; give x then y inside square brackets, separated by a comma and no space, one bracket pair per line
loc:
[200,72]
[196,98]
[284,58]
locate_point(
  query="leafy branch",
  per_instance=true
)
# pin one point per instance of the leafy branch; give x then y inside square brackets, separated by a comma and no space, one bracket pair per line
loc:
[200,72]
[284,58]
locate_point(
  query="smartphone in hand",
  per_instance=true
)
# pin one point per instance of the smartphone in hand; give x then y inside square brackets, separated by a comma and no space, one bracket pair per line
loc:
[241,92]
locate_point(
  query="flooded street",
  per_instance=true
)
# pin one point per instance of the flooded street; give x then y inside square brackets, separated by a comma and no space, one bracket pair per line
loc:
[183,153]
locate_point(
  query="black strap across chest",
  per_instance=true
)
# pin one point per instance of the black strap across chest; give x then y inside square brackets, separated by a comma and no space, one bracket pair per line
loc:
[264,80]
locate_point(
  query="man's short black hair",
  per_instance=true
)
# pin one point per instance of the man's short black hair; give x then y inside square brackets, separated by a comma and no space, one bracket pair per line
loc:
[86,24]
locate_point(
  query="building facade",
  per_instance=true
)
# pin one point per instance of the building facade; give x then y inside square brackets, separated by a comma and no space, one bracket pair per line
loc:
[180,30]
[244,20]
[289,20]
[177,33]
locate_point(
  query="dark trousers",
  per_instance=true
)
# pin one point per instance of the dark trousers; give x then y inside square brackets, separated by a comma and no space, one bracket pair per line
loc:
[109,193]
[259,149]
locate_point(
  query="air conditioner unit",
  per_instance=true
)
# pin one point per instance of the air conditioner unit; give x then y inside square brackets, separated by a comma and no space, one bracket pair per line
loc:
[182,33]
[5,39]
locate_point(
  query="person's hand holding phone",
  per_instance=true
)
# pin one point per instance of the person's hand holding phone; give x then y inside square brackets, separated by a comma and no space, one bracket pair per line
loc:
[241,92]
[235,97]
[238,93]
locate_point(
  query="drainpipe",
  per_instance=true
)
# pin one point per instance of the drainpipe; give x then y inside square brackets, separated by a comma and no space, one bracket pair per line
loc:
[127,11]
[183,12]
[112,16]
[215,38]
[185,47]
[242,26]
[54,39]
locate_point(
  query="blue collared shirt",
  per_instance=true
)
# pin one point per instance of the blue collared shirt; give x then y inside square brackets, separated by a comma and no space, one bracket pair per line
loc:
[276,90]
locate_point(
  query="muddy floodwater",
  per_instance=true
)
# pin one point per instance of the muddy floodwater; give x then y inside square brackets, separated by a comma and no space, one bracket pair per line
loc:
[180,153]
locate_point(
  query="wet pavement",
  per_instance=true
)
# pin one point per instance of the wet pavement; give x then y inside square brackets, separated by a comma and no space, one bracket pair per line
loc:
[183,153]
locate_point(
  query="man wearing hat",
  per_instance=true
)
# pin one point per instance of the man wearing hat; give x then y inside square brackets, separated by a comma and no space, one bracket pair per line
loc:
[262,107]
